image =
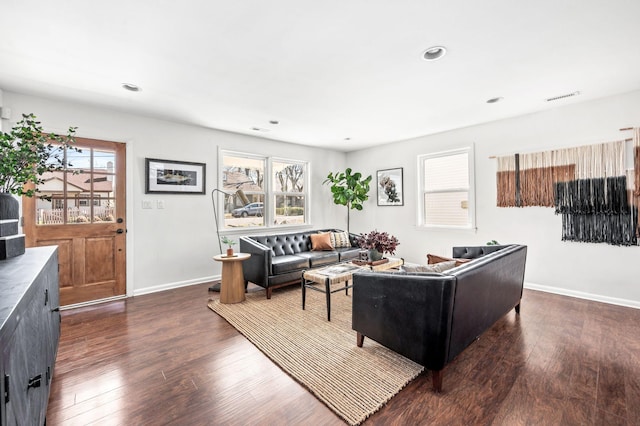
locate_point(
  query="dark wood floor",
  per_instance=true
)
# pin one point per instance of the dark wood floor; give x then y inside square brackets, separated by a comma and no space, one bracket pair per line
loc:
[165,358]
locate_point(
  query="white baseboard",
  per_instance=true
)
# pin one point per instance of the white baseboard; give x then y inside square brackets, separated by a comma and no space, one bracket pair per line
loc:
[91,303]
[528,285]
[169,286]
[582,295]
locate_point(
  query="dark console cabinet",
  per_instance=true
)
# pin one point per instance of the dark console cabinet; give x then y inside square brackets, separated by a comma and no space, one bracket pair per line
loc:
[29,334]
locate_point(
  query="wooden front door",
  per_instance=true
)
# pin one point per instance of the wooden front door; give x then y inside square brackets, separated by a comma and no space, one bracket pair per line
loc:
[85,217]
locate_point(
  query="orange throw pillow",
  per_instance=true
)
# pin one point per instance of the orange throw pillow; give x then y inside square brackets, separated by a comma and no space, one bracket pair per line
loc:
[321,242]
[434,258]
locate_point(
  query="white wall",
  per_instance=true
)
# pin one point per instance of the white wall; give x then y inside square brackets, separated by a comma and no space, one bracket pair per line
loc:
[173,246]
[596,271]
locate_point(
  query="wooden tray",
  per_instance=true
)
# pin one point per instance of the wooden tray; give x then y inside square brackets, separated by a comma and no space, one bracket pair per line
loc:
[372,263]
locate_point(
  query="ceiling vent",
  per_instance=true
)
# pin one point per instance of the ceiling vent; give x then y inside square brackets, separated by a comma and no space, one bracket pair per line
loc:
[568,95]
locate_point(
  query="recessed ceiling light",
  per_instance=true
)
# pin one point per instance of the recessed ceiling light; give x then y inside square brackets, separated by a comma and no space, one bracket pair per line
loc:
[434,53]
[131,87]
[494,100]
[347,139]
[259,129]
[274,122]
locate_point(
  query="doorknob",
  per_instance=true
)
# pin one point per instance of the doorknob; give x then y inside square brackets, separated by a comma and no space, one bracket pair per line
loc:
[119,231]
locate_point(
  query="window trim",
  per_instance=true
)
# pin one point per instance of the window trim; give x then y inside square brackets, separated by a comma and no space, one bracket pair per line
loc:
[470,151]
[269,192]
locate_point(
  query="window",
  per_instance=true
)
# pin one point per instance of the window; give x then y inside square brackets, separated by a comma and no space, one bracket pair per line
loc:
[446,185]
[82,193]
[262,191]
[289,192]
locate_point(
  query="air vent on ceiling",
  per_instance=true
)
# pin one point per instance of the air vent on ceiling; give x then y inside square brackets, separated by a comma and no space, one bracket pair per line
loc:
[568,95]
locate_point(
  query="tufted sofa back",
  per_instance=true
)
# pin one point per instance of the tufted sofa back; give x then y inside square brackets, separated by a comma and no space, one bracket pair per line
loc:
[284,244]
[472,252]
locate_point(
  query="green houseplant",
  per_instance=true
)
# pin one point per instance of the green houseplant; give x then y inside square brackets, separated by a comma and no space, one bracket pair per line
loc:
[349,189]
[26,152]
[230,243]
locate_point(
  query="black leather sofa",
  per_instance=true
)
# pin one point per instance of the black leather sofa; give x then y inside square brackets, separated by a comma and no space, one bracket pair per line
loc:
[430,317]
[278,260]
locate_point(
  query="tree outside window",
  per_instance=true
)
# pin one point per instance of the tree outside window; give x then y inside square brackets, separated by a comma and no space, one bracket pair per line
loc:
[263,192]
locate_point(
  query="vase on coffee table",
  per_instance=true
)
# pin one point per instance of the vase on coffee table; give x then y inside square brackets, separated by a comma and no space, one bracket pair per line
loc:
[374,255]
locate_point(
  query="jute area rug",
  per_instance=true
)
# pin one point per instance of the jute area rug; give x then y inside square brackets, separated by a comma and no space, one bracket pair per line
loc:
[323,356]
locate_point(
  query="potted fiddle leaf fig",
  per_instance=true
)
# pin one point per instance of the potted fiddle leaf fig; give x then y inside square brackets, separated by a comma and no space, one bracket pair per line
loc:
[349,189]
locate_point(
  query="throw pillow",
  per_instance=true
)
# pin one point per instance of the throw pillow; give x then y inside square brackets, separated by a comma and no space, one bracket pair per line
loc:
[434,258]
[436,267]
[321,242]
[340,239]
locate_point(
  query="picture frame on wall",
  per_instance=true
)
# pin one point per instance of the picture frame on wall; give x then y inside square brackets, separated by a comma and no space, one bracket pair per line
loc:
[390,187]
[174,177]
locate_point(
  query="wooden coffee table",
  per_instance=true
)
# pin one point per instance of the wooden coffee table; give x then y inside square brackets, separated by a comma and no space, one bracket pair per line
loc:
[314,279]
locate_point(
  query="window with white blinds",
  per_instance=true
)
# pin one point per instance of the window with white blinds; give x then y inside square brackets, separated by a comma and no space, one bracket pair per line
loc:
[446,186]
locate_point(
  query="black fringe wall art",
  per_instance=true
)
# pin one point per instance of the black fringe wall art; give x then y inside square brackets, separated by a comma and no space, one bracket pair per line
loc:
[597,211]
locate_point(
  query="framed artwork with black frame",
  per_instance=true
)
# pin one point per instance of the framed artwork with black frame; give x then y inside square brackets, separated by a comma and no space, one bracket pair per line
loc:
[174,177]
[390,187]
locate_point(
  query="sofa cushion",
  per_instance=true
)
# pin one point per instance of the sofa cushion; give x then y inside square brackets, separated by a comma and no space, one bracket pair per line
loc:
[288,263]
[321,241]
[320,258]
[340,239]
[349,253]
[434,258]
[434,267]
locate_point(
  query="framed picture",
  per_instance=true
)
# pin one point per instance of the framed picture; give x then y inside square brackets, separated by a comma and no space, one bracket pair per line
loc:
[390,187]
[174,177]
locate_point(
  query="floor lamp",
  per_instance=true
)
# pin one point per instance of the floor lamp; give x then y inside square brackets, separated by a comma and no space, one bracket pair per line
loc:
[216,287]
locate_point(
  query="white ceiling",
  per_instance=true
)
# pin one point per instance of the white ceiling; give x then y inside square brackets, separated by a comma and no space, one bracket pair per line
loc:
[326,70]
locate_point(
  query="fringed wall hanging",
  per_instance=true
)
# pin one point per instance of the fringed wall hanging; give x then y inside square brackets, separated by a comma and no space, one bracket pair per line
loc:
[636,172]
[597,211]
[587,185]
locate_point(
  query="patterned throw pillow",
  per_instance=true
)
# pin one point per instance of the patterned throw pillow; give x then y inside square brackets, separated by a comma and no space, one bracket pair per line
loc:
[340,239]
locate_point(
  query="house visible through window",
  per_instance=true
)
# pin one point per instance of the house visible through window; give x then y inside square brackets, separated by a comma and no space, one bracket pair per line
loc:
[83,193]
[446,185]
[262,192]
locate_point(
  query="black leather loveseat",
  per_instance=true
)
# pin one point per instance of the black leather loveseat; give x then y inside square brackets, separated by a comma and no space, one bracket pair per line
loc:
[278,260]
[430,317]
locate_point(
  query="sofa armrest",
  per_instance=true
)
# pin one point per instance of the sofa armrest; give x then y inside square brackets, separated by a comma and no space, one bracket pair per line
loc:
[486,290]
[353,239]
[408,313]
[257,268]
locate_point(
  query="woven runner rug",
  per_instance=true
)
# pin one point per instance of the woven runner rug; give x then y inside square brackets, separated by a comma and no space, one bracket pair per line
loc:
[353,382]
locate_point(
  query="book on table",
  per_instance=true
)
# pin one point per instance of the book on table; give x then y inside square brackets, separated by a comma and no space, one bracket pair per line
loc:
[337,269]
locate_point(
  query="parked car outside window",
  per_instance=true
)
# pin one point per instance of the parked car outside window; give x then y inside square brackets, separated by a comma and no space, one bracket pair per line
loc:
[251,209]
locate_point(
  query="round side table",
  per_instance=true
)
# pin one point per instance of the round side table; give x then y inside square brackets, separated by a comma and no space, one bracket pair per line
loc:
[232,287]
